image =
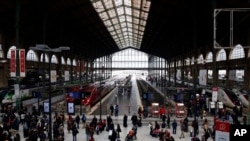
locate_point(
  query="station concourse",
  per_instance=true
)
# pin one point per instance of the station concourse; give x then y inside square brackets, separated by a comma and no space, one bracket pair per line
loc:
[50,50]
[143,132]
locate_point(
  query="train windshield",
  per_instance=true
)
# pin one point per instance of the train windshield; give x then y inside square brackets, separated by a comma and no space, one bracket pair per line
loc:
[86,94]
[74,95]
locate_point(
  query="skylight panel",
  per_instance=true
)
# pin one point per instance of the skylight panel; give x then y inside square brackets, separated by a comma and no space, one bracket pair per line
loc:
[117,26]
[118,2]
[120,11]
[124,19]
[128,11]
[123,24]
[136,12]
[108,4]
[136,3]
[115,21]
[129,18]
[111,28]
[112,13]
[127,2]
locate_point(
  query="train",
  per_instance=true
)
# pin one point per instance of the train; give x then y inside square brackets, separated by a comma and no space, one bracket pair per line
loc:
[89,94]
[242,95]
[226,96]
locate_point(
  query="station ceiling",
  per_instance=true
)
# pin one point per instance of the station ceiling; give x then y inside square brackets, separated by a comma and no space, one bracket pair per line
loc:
[95,28]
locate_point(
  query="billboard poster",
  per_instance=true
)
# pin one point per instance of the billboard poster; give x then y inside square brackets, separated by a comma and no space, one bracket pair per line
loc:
[66,75]
[203,77]
[53,77]
[71,108]
[46,107]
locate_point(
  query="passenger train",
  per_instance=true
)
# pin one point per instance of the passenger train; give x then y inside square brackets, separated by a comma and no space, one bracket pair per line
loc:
[89,94]
[243,96]
[227,96]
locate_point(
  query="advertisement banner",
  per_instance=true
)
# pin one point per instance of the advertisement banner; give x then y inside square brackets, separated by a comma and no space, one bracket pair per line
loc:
[71,108]
[66,75]
[22,62]
[203,77]
[53,77]
[13,63]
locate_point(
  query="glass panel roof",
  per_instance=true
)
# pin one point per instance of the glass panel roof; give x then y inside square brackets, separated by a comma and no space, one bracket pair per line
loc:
[124,19]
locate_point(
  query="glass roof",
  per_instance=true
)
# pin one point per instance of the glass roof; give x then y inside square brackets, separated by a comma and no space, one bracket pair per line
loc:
[124,19]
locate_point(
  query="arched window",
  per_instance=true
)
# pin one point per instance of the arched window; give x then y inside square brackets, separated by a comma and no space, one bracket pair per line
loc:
[68,61]
[209,57]
[187,62]
[129,58]
[237,52]
[74,62]
[46,58]
[32,56]
[221,56]
[62,60]
[54,59]
[11,48]
[200,59]
[1,52]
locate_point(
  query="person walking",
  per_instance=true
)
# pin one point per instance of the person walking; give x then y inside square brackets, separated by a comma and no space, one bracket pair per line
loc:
[77,119]
[174,125]
[111,109]
[134,119]
[168,121]
[87,132]
[182,130]
[83,120]
[118,130]
[125,119]
[74,131]
[116,110]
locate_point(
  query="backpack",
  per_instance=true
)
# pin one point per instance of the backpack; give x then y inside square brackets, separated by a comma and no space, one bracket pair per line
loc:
[83,118]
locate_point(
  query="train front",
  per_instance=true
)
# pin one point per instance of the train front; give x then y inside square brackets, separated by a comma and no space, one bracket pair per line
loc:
[88,95]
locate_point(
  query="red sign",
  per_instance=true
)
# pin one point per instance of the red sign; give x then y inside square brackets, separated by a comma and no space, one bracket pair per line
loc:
[215,88]
[22,62]
[222,126]
[13,63]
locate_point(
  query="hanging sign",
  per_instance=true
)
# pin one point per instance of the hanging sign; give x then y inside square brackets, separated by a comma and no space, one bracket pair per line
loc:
[13,63]
[22,62]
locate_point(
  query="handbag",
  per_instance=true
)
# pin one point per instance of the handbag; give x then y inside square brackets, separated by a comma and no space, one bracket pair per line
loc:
[110,132]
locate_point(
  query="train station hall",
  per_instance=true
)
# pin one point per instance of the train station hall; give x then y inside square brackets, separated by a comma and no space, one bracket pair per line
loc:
[124,70]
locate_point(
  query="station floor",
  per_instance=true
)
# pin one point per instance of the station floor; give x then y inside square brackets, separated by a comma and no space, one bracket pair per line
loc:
[142,132]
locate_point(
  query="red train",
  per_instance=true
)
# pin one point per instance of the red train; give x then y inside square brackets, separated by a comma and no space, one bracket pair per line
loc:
[89,94]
